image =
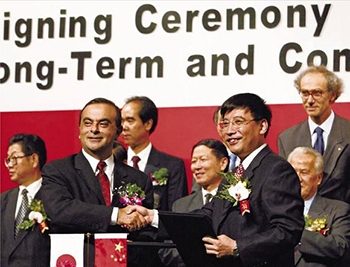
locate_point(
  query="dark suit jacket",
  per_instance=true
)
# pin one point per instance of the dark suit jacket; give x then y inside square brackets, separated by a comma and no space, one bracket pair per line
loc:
[267,236]
[336,183]
[189,203]
[176,186]
[317,250]
[73,198]
[30,248]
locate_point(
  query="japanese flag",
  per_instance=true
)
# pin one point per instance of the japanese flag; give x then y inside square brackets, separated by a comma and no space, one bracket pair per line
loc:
[67,250]
[110,250]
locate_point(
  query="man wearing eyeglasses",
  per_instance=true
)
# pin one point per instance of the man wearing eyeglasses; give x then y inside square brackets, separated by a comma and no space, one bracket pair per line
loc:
[325,131]
[26,156]
[265,236]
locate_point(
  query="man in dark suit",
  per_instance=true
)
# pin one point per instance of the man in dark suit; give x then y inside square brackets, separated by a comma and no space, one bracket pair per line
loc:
[319,88]
[329,245]
[82,196]
[209,159]
[139,120]
[26,248]
[268,234]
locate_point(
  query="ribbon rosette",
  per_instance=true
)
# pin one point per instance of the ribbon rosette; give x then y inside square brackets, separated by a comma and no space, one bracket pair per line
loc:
[316,225]
[236,191]
[130,194]
[241,194]
[37,215]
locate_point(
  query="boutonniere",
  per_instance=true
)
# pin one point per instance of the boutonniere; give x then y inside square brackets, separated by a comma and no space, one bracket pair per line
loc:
[316,224]
[37,215]
[160,177]
[130,194]
[237,190]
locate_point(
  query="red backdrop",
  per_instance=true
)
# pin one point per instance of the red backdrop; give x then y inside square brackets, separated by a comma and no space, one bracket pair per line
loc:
[177,131]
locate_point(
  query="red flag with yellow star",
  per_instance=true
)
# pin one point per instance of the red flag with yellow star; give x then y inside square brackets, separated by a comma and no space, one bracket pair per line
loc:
[110,250]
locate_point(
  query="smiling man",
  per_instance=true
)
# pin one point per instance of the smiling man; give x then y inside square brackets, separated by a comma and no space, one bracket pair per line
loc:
[268,234]
[325,131]
[78,191]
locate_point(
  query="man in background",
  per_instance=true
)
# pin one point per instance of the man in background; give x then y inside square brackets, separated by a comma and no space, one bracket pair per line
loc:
[325,244]
[209,160]
[26,156]
[139,120]
[324,130]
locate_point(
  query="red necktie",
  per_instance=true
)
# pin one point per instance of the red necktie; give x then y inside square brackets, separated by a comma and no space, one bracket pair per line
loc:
[239,170]
[104,182]
[135,160]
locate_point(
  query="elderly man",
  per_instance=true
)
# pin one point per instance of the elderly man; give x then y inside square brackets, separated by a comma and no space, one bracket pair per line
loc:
[324,130]
[327,244]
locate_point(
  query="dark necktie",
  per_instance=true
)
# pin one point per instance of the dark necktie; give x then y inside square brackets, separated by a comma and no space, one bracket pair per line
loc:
[208,198]
[232,164]
[319,144]
[104,182]
[239,170]
[135,160]
[22,212]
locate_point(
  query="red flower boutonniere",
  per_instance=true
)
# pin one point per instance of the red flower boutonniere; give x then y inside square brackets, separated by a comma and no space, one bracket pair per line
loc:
[37,215]
[130,194]
[316,225]
[236,191]
[160,177]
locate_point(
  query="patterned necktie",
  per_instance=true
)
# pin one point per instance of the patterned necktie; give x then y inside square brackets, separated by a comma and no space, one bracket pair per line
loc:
[22,212]
[319,144]
[104,182]
[239,170]
[135,160]
[208,198]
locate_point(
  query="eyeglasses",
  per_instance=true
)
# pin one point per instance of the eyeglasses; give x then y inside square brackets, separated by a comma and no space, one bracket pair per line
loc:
[13,160]
[316,94]
[236,122]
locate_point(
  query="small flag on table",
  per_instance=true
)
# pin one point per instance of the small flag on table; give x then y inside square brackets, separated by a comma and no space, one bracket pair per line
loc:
[110,250]
[67,250]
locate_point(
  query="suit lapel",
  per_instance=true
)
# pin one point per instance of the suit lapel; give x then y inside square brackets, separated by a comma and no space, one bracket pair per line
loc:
[249,172]
[305,137]
[9,217]
[153,163]
[335,146]
[120,177]
[197,201]
[87,175]
[316,208]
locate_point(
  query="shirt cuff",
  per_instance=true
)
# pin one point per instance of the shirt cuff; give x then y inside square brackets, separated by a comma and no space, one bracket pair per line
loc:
[155,221]
[114,216]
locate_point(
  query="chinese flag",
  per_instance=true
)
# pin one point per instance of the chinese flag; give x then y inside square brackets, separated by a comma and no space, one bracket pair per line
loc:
[110,250]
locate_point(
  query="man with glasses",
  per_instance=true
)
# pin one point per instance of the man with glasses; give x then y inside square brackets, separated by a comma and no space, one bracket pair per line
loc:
[26,156]
[325,131]
[267,235]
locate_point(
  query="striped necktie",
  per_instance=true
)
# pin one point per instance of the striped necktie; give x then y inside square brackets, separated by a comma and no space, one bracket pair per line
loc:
[22,212]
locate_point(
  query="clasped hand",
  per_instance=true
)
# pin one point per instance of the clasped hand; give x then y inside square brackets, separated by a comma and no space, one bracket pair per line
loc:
[134,217]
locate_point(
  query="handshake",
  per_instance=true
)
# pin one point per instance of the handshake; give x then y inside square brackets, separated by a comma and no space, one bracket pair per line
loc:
[135,217]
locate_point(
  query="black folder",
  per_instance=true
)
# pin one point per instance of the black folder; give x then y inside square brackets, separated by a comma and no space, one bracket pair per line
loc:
[187,230]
